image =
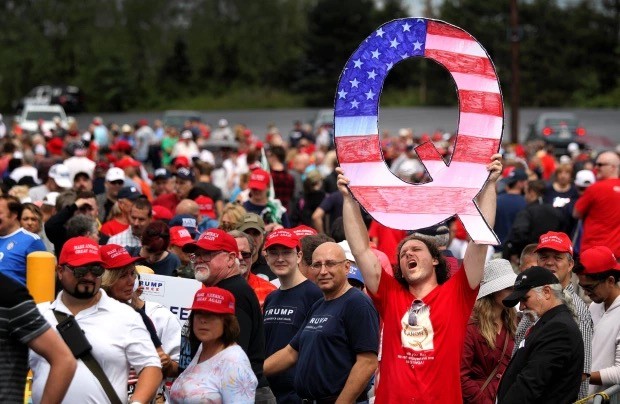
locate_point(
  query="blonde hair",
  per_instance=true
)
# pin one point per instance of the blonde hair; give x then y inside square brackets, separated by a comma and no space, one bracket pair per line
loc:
[235,212]
[111,276]
[115,211]
[483,316]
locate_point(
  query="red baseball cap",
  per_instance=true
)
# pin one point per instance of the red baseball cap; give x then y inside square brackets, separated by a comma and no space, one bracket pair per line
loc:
[213,240]
[181,161]
[55,146]
[116,257]
[214,300]
[205,204]
[555,241]
[179,236]
[161,213]
[127,162]
[283,237]
[79,251]
[598,259]
[121,145]
[302,231]
[259,179]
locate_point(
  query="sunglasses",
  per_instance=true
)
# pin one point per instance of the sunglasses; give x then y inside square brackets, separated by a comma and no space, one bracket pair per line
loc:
[80,272]
[246,255]
[415,308]
[118,182]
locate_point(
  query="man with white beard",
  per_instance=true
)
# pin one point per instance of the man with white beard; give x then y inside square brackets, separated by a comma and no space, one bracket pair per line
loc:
[216,263]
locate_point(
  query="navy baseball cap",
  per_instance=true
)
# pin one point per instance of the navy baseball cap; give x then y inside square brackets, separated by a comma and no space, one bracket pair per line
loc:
[187,221]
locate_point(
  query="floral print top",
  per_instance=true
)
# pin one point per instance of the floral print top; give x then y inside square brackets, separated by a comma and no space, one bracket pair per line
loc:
[227,377]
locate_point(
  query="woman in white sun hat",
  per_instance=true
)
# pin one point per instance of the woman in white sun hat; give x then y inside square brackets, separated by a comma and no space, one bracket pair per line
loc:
[490,335]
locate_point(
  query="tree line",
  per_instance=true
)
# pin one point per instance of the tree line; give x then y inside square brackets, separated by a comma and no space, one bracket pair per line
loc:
[141,54]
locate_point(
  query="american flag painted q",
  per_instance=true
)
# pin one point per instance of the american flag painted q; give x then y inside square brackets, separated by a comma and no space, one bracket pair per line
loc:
[389,200]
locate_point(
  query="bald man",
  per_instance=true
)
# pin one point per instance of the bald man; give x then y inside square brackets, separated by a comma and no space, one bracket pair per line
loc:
[598,206]
[336,347]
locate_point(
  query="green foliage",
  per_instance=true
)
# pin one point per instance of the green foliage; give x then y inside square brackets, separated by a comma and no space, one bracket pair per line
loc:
[138,54]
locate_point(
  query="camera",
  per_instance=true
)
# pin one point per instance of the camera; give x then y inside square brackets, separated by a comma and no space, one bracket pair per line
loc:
[74,337]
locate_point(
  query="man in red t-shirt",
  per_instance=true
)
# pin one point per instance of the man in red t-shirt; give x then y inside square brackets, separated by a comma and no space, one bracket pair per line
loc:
[424,310]
[598,206]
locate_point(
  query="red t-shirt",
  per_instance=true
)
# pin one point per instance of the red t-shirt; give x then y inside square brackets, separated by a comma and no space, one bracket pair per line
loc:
[600,207]
[168,201]
[388,239]
[421,363]
[113,227]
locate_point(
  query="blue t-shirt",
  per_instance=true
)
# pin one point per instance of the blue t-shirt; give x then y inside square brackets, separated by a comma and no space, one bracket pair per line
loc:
[14,248]
[508,205]
[285,311]
[334,333]
[167,266]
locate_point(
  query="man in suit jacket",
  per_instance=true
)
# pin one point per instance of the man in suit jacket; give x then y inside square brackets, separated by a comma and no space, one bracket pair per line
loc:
[548,363]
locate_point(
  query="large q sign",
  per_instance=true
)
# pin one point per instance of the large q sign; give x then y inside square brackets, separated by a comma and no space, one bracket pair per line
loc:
[389,200]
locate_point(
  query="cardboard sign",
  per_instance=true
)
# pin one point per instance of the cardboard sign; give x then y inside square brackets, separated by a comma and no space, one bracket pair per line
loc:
[177,294]
[388,199]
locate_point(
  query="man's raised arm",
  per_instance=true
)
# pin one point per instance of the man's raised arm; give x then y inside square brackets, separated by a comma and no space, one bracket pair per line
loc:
[356,234]
[475,255]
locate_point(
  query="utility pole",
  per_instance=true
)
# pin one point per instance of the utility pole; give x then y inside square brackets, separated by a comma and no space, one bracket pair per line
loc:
[515,38]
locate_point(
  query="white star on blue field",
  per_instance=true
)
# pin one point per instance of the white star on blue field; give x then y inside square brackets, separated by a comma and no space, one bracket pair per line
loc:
[366,70]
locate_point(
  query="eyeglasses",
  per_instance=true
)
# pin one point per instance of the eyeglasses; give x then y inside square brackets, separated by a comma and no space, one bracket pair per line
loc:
[246,255]
[328,264]
[590,288]
[205,256]
[415,308]
[282,253]
[80,272]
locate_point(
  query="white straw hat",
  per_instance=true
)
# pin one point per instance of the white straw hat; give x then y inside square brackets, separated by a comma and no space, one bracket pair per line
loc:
[498,275]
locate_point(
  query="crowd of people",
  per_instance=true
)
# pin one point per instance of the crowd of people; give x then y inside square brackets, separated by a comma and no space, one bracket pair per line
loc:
[305,297]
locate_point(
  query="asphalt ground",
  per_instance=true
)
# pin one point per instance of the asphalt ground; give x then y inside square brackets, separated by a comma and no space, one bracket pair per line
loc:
[602,125]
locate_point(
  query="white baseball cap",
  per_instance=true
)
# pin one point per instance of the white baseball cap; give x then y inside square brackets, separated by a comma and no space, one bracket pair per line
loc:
[50,199]
[584,178]
[60,174]
[115,174]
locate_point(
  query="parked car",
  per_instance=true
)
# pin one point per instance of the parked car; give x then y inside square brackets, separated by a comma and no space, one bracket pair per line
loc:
[32,114]
[177,119]
[558,129]
[70,98]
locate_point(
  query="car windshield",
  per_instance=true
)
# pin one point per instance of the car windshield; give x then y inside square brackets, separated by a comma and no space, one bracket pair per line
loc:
[45,115]
[571,123]
[176,121]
